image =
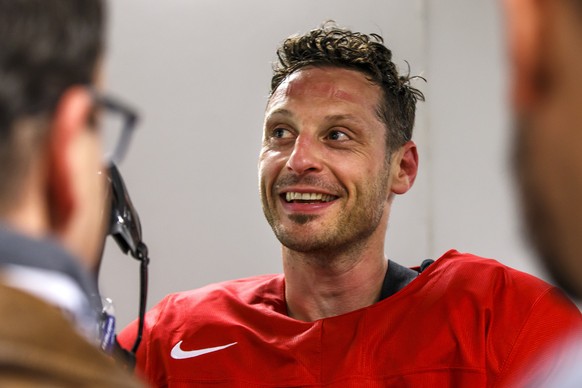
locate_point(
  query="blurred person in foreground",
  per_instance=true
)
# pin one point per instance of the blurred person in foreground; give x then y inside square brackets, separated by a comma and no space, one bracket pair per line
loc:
[545,44]
[53,196]
[337,149]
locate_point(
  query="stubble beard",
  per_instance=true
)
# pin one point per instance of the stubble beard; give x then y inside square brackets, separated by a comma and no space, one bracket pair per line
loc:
[349,232]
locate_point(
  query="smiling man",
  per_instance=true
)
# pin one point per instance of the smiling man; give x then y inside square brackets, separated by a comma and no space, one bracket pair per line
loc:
[337,149]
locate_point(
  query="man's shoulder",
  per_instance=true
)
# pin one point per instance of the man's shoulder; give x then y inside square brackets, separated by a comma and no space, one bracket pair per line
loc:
[483,270]
[223,304]
[242,285]
[459,275]
[245,291]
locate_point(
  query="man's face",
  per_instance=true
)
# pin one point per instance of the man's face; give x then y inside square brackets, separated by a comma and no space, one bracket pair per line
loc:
[549,165]
[323,171]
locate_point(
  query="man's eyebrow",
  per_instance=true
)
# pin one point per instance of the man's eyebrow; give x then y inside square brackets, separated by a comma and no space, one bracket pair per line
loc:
[342,117]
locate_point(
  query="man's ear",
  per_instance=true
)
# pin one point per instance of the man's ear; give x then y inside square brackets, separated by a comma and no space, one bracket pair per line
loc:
[524,29]
[67,125]
[404,168]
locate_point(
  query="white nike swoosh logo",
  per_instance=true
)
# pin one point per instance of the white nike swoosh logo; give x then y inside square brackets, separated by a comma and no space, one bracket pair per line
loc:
[179,354]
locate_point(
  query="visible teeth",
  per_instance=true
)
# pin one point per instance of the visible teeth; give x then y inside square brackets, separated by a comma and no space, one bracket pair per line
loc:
[291,196]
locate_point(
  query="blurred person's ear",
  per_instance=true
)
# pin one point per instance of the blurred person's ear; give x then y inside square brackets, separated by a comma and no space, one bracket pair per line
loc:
[524,28]
[67,128]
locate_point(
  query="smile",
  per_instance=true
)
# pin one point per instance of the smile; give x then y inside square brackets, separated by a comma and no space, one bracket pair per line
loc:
[293,197]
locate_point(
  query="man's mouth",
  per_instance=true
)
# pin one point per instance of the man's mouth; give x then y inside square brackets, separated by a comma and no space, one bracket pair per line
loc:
[293,197]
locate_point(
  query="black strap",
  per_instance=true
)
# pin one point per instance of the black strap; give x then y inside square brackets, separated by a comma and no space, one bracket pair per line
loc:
[397,277]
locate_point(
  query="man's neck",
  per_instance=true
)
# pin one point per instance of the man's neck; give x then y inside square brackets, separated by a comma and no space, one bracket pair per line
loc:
[319,286]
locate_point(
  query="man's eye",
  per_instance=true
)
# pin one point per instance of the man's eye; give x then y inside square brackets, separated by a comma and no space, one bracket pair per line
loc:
[337,136]
[281,133]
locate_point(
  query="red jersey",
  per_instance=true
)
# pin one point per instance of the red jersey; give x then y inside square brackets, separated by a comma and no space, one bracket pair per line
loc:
[463,322]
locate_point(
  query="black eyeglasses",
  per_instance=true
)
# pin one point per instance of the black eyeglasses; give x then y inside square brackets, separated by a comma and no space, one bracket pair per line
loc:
[116,121]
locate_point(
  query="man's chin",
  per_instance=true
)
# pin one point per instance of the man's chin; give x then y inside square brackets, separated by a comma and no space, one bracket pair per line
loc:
[299,242]
[301,219]
[303,239]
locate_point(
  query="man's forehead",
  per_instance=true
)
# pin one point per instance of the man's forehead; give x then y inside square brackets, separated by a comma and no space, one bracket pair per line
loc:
[328,82]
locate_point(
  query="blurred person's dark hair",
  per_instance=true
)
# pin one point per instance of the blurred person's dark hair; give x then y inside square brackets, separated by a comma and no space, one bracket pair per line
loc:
[36,66]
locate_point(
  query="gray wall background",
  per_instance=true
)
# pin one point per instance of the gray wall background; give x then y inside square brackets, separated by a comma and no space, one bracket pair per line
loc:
[199,72]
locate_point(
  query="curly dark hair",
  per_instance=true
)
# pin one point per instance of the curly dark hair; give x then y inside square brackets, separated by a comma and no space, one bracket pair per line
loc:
[330,45]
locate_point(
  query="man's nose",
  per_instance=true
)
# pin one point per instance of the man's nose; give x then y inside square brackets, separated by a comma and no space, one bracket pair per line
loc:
[306,156]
